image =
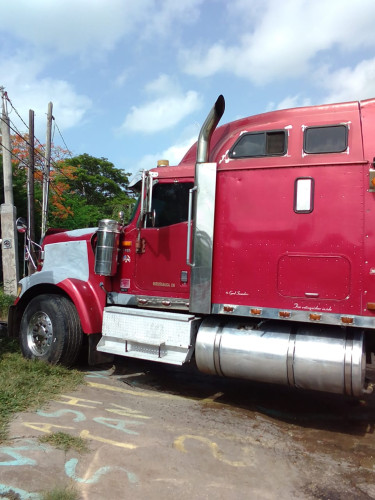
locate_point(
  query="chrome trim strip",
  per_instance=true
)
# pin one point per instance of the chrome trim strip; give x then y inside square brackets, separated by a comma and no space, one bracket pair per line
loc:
[290,359]
[301,316]
[188,246]
[348,366]
[216,353]
[147,301]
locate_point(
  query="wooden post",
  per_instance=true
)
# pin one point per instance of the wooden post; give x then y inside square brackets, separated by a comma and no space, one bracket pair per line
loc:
[47,166]
[9,241]
[30,195]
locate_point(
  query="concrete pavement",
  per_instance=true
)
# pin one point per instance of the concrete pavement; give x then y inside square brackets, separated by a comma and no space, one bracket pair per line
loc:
[157,432]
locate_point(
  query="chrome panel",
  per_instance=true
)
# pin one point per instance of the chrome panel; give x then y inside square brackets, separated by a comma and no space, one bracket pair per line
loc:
[203,233]
[64,260]
[298,316]
[313,357]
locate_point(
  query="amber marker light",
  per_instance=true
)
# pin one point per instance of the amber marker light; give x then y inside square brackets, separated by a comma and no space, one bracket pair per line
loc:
[228,309]
[346,320]
[256,312]
[371,306]
[126,244]
[163,163]
[284,314]
[315,317]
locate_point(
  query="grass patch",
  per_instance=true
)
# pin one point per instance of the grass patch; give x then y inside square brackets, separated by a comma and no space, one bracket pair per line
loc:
[68,493]
[27,385]
[66,442]
[5,302]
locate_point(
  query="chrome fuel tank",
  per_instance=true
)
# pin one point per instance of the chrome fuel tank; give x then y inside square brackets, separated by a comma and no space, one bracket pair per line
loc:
[313,357]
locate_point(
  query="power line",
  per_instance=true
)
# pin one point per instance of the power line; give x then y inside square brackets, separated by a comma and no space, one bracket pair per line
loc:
[14,109]
[36,152]
[58,129]
[15,156]
[53,185]
[21,136]
[36,139]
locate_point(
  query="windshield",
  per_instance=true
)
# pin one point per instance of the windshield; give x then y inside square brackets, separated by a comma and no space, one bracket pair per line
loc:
[135,208]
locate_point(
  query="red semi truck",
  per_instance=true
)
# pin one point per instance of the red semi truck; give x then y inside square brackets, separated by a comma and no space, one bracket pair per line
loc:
[255,256]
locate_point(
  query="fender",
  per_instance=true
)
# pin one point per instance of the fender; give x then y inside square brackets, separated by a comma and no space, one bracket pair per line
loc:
[89,302]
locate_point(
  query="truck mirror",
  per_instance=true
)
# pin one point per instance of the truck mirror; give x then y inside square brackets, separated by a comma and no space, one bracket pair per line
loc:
[146,199]
[151,218]
[21,225]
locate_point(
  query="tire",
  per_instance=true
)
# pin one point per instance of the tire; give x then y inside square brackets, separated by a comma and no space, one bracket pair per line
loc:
[50,330]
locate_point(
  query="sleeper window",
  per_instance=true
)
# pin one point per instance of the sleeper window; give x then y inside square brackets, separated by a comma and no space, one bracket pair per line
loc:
[327,139]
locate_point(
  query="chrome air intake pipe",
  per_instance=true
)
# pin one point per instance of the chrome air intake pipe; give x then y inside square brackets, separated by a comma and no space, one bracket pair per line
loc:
[107,247]
[208,128]
[312,357]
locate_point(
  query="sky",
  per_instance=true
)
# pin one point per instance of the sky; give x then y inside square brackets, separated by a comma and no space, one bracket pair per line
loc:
[133,80]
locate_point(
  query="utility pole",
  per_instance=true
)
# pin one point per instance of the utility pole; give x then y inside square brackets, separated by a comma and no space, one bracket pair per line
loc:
[9,242]
[30,195]
[47,167]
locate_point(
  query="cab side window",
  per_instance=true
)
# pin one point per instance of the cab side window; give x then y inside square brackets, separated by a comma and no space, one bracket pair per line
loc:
[258,144]
[170,203]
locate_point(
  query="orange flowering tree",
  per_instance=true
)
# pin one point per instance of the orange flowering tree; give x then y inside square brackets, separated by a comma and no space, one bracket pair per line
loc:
[20,165]
[82,190]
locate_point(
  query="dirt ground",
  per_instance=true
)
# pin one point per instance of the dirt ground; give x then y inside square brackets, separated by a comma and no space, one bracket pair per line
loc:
[162,432]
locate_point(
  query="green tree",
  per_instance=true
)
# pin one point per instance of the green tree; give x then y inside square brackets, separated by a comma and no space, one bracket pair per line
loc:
[85,189]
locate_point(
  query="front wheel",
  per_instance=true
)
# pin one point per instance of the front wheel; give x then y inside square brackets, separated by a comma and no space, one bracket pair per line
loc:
[50,330]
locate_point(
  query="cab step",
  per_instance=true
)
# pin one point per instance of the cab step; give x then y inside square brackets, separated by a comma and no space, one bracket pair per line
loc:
[166,337]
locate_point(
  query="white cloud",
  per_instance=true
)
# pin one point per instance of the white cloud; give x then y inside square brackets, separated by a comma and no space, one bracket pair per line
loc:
[167,109]
[27,89]
[72,26]
[121,78]
[91,26]
[348,84]
[166,13]
[285,38]
[162,85]
[295,101]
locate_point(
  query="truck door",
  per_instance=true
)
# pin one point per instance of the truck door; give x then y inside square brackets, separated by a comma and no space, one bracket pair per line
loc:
[161,267]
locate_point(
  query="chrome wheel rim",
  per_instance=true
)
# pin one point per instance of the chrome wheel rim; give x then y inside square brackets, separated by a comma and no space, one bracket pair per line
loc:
[40,334]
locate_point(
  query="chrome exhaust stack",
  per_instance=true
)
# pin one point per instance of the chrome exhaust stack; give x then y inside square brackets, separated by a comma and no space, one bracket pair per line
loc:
[199,253]
[208,127]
